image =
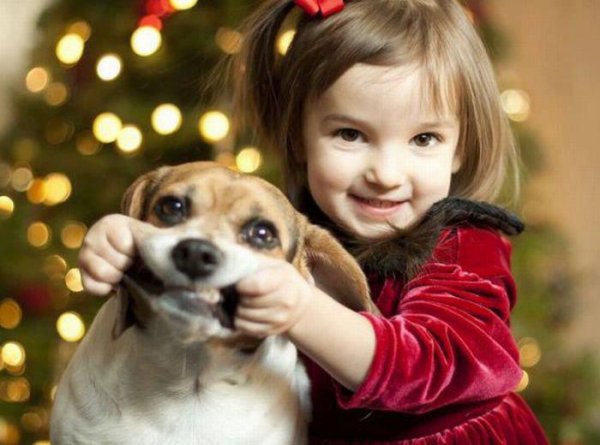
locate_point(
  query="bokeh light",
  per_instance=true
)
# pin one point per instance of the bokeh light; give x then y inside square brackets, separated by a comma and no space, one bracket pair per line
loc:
[37,79]
[70,326]
[146,40]
[106,127]
[13,354]
[214,126]
[248,160]
[72,235]
[181,5]
[37,192]
[56,94]
[39,234]
[73,280]
[10,313]
[284,41]
[229,40]
[87,144]
[69,48]
[166,119]
[21,179]
[109,67]
[81,28]
[523,383]
[516,105]
[130,139]
[7,206]
[530,352]
[58,189]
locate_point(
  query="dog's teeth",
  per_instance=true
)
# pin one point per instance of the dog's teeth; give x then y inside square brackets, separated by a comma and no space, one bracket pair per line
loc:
[209,294]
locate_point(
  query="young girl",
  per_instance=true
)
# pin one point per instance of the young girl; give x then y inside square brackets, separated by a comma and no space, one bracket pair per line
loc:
[381,108]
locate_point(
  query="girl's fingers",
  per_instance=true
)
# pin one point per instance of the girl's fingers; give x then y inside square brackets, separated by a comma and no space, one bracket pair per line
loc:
[261,315]
[261,282]
[251,328]
[95,287]
[98,268]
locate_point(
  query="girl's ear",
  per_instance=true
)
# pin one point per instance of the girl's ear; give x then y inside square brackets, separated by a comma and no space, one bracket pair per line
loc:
[456,162]
[334,270]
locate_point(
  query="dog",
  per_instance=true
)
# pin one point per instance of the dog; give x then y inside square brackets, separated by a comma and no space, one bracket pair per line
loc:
[162,362]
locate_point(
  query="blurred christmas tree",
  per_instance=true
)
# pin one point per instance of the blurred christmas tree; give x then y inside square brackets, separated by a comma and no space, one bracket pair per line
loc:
[116,88]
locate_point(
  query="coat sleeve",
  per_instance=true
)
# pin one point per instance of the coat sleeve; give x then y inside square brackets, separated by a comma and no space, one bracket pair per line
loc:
[450,340]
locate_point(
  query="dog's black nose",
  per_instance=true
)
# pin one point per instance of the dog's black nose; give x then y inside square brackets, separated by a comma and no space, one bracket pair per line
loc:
[196,258]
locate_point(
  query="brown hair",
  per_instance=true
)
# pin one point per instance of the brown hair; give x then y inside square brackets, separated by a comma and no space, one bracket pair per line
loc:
[272,90]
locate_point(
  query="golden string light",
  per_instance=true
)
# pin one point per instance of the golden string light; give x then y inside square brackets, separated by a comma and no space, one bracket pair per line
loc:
[109,67]
[166,119]
[214,126]
[81,28]
[58,189]
[21,179]
[146,40]
[229,40]
[516,105]
[129,139]
[106,127]
[530,352]
[55,267]
[72,235]
[10,313]
[523,383]
[13,354]
[56,94]
[37,192]
[39,234]
[37,79]
[284,41]
[248,160]
[73,280]
[181,5]
[226,159]
[7,207]
[69,48]
[87,144]
[70,326]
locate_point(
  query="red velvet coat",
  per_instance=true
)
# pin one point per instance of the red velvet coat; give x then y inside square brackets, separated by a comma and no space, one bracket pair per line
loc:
[445,364]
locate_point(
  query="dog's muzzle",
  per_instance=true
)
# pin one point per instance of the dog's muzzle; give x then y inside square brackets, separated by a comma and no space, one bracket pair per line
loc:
[196,259]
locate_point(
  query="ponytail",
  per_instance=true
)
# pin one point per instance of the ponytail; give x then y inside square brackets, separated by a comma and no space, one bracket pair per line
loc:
[256,77]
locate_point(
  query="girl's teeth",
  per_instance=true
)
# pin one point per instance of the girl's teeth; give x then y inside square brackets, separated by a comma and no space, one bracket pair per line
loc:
[379,203]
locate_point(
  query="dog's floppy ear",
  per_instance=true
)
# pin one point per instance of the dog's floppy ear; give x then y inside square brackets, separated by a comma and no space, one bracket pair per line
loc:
[134,203]
[334,270]
[137,197]
[123,319]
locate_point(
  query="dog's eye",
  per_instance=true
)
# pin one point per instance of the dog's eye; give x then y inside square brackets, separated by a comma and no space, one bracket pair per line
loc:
[171,209]
[260,233]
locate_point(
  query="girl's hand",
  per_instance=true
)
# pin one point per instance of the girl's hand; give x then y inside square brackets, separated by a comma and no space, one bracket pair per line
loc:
[107,251]
[272,300]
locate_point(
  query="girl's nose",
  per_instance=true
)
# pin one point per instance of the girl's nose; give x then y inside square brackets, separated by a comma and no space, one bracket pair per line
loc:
[388,168]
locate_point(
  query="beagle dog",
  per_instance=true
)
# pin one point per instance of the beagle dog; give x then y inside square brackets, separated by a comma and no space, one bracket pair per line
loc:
[162,362]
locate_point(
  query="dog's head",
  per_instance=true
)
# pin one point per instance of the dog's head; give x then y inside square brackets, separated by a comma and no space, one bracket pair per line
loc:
[210,227]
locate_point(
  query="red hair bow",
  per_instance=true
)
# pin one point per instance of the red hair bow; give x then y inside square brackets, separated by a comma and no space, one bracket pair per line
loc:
[326,7]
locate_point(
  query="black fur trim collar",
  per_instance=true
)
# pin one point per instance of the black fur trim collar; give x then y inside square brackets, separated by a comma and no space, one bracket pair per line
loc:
[402,255]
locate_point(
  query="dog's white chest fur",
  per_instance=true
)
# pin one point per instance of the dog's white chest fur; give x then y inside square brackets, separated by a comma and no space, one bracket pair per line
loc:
[135,390]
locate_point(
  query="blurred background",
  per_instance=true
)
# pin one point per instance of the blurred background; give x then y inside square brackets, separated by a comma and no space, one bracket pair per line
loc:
[93,93]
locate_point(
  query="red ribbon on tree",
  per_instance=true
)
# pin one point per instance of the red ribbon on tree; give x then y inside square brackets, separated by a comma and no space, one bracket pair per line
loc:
[325,7]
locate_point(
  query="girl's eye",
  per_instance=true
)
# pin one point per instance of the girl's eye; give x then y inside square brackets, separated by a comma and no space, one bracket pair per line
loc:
[425,139]
[349,134]
[171,209]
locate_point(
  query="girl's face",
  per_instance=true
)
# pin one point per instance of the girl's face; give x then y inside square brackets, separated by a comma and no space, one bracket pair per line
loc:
[377,157]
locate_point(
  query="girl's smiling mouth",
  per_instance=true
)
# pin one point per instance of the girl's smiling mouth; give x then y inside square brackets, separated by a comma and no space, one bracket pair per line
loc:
[376,208]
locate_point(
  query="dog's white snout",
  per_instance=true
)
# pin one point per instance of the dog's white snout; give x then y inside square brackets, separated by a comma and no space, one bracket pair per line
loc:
[196,258]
